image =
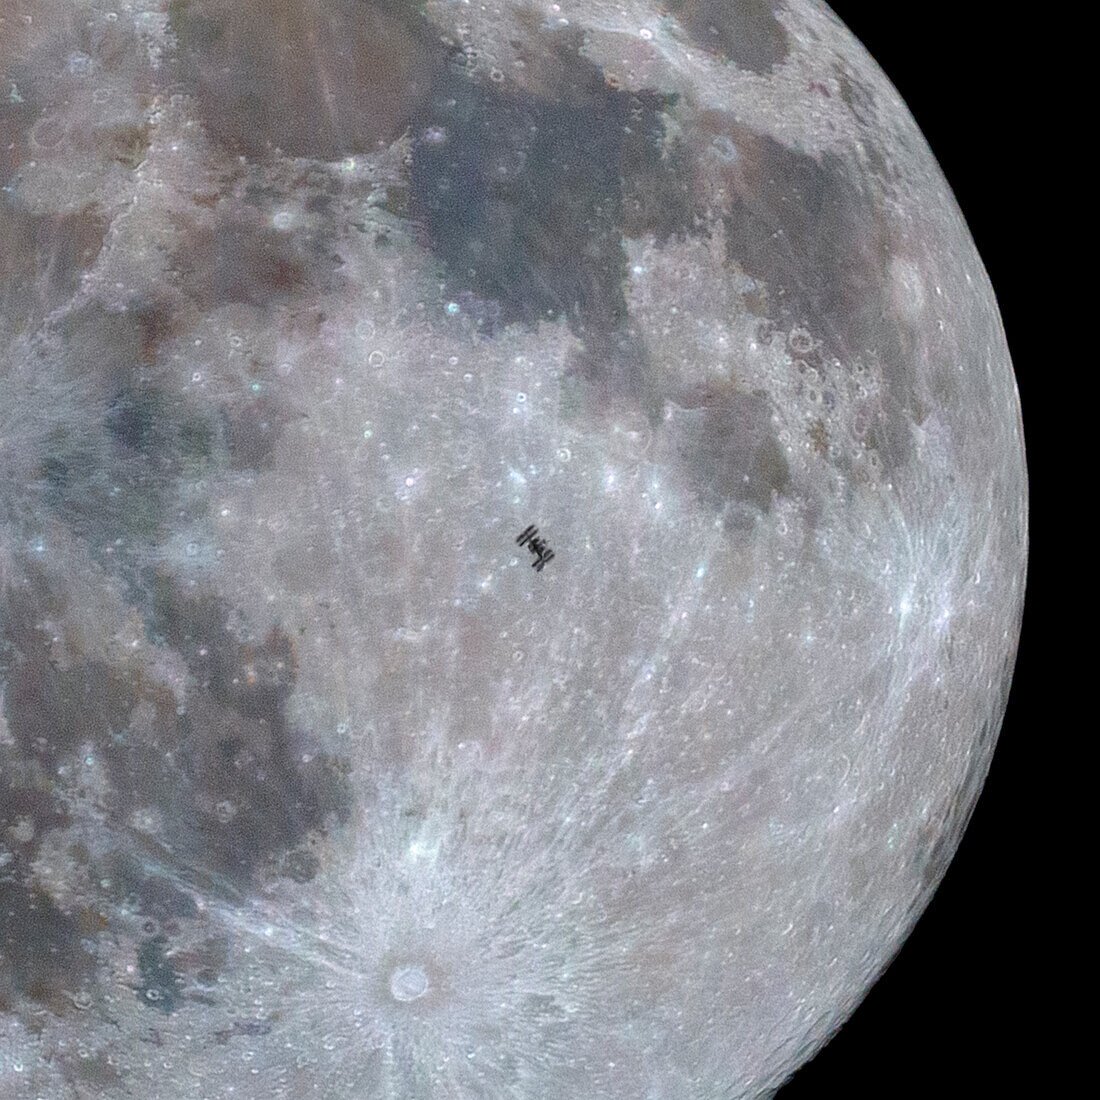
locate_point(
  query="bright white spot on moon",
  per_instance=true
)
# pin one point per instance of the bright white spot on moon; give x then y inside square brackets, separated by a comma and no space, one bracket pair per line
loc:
[408,983]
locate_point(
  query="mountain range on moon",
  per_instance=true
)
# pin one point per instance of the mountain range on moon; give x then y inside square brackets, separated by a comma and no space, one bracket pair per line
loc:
[309,785]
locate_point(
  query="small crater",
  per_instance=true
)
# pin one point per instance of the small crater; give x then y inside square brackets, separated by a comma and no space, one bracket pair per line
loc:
[408,983]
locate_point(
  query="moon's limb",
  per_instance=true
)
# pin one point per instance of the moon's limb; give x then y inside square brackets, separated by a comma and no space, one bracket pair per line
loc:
[310,784]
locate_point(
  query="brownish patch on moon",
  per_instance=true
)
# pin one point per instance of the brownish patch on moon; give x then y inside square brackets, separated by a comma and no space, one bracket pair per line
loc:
[745,32]
[816,232]
[819,436]
[237,259]
[729,450]
[312,79]
[43,257]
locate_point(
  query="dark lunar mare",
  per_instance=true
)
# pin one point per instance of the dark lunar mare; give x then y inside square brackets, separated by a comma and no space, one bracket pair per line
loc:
[526,198]
[238,797]
[745,32]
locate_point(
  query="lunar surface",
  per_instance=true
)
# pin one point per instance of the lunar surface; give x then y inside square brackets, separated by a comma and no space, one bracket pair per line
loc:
[513,527]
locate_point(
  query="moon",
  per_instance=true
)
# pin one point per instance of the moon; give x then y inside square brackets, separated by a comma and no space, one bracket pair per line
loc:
[513,537]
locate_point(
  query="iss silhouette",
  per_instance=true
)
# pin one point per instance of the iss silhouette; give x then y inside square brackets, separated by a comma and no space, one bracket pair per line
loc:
[536,545]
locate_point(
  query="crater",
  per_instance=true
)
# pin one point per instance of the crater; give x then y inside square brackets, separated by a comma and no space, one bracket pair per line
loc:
[408,983]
